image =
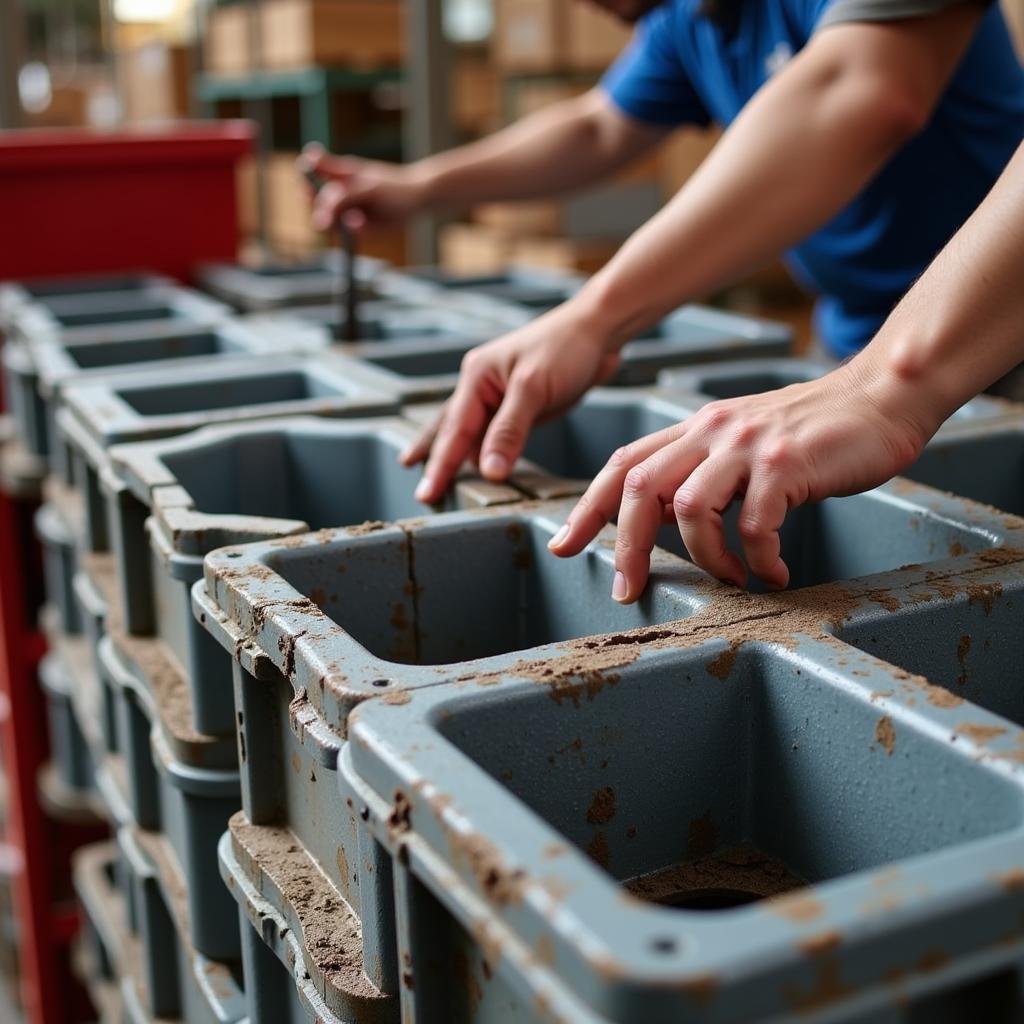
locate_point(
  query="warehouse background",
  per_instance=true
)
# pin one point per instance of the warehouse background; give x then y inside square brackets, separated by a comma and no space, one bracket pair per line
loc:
[363,77]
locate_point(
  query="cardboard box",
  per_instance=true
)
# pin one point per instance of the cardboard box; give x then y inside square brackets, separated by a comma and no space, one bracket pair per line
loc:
[248,196]
[683,153]
[475,96]
[324,33]
[288,207]
[154,80]
[609,212]
[289,228]
[584,257]
[473,249]
[594,37]
[528,35]
[523,219]
[228,44]
[537,36]
[529,97]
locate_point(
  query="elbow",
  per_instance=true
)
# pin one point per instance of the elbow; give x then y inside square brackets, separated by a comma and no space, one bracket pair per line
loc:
[900,113]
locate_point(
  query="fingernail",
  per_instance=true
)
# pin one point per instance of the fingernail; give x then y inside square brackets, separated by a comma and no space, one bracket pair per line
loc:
[619,588]
[423,489]
[559,537]
[494,466]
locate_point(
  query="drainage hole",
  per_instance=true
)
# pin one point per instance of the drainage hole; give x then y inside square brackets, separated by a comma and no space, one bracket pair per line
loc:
[709,899]
[663,945]
[234,554]
[380,682]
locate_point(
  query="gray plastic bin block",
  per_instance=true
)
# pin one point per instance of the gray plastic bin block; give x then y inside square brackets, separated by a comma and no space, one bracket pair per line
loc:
[272,284]
[515,295]
[695,387]
[691,335]
[178,981]
[157,350]
[983,461]
[14,295]
[69,749]
[106,948]
[301,943]
[59,566]
[719,830]
[288,761]
[92,594]
[347,614]
[240,484]
[189,779]
[113,315]
[145,406]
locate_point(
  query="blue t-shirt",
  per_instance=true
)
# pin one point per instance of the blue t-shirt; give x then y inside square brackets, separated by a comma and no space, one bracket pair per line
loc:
[681,69]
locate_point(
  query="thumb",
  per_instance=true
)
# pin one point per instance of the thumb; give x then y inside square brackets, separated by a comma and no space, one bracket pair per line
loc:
[315,158]
[506,436]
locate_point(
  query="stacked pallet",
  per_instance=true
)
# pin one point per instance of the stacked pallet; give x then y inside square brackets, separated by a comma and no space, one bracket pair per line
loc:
[363,760]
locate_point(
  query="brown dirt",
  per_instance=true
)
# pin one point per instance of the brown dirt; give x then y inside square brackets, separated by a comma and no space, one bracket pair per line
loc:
[331,933]
[500,884]
[885,733]
[742,868]
[602,807]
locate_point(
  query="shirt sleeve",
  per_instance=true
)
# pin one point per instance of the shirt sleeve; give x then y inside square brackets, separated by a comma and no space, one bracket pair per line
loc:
[648,82]
[836,12]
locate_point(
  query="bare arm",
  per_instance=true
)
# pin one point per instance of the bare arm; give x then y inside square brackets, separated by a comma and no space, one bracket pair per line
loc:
[553,151]
[960,328]
[802,148]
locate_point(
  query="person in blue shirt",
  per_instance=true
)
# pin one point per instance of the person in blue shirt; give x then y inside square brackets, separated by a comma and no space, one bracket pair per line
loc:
[861,134]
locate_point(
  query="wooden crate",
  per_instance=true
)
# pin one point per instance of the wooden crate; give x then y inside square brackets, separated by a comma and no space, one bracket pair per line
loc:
[228,43]
[154,80]
[324,33]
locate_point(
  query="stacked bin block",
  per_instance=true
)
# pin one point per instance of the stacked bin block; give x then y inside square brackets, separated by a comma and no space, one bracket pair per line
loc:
[364,760]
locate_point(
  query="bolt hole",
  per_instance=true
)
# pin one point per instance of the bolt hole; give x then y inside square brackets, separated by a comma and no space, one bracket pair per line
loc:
[234,554]
[381,682]
[663,945]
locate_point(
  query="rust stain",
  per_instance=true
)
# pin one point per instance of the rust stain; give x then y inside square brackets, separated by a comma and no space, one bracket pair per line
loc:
[399,820]
[984,594]
[1011,881]
[933,960]
[296,762]
[397,696]
[702,835]
[598,850]
[828,988]
[602,806]
[885,733]
[500,884]
[956,549]
[978,733]
[818,945]
[800,907]
[701,989]
[963,648]
[546,950]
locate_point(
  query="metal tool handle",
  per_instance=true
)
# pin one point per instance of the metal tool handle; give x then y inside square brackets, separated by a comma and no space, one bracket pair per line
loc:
[348,300]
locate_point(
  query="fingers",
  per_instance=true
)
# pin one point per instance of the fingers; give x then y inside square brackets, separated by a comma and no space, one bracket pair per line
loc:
[419,449]
[316,159]
[761,517]
[456,436]
[699,504]
[600,503]
[506,436]
[330,203]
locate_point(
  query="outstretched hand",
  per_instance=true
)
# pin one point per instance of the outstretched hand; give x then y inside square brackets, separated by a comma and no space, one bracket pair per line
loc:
[367,193]
[506,386]
[771,452]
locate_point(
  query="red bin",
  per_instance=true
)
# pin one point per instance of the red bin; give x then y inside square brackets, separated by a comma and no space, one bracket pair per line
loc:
[81,201]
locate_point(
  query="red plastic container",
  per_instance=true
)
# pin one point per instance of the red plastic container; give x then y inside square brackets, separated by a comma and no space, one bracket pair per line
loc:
[81,201]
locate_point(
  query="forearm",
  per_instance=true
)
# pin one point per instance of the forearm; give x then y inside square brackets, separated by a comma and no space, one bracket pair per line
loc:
[961,326]
[800,151]
[554,151]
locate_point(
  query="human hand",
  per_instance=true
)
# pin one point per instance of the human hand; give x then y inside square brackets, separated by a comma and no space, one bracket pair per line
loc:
[367,193]
[842,434]
[506,386]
